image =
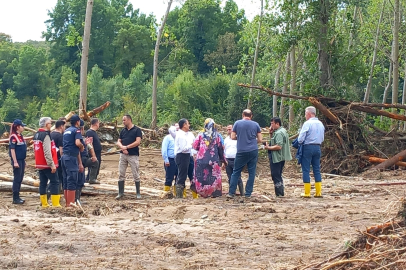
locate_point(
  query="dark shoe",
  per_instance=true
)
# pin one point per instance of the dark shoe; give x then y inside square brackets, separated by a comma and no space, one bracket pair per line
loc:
[17,199]
[230,196]
[179,191]
[138,188]
[241,188]
[94,182]
[120,190]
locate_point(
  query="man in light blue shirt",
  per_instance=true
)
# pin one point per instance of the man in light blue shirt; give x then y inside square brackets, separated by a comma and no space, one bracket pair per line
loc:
[311,136]
[168,155]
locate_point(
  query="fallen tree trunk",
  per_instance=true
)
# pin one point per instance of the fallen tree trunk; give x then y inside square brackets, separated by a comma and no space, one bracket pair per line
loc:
[333,118]
[6,141]
[378,112]
[381,105]
[390,162]
[26,181]
[7,187]
[380,160]
[271,92]
[98,109]
[26,128]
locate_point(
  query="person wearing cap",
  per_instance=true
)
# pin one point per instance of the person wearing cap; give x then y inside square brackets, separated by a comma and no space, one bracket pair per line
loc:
[57,137]
[168,155]
[128,142]
[17,153]
[87,162]
[71,161]
[46,161]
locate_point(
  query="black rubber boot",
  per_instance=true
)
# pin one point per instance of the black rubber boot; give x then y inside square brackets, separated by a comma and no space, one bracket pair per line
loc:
[78,193]
[280,191]
[241,188]
[120,190]
[179,191]
[17,199]
[138,188]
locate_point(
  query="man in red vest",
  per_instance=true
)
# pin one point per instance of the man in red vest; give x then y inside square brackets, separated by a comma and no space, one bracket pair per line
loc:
[46,161]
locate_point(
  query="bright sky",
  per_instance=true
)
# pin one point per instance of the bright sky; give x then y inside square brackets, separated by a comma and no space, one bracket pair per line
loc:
[24,19]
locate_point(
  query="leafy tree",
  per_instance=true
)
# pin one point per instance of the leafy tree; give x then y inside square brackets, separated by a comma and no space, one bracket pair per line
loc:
[10,108]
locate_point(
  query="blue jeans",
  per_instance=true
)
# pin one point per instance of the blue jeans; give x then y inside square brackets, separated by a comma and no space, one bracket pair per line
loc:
[171,172]
[311,156]
[241,159]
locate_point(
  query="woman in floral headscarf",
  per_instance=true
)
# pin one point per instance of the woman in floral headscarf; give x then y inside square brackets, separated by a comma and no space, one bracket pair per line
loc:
[207,177]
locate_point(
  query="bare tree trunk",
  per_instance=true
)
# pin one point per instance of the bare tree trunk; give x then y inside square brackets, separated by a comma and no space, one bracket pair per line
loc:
[155,72]
[275,98]
[385,92]
[323,59]
[369,84]
[85,57]
[404,95]
[254,66]
[354,23]
[395,53]
[285,86]
[292,83]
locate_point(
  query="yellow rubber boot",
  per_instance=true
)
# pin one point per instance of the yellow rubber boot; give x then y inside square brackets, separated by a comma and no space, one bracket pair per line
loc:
[174,191]
[306,194]
[167,188]
[194,195]
[55,200]
[44,200]
[184,193]
[317,185]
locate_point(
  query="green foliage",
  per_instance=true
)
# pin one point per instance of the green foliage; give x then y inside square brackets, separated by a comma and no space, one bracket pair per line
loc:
[32,112]
[10,108]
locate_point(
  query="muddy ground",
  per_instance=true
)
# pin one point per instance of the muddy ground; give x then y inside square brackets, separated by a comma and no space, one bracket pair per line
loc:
[154,233]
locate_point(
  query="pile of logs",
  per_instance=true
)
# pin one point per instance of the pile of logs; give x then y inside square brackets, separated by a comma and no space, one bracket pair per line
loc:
[352,142]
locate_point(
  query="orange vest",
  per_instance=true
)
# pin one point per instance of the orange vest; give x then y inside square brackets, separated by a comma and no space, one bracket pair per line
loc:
[40,161]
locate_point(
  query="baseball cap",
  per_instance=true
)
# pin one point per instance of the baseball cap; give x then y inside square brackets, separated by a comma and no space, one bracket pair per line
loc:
[18,122]
[75,118]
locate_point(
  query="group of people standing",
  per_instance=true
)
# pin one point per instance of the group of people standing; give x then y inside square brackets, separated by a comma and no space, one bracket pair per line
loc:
[239,149]
[61,157]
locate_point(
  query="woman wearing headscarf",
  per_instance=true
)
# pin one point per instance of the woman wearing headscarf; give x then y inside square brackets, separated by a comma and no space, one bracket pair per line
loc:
[207,177]
[17,153]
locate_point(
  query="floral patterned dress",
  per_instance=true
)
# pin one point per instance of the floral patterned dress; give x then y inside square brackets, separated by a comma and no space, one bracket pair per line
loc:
[207,176]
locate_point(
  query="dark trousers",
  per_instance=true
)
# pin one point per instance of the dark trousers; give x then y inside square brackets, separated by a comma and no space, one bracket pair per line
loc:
[170,172]
[183,162]
[18,174]
[230,168]
[70,171]
[81,180]
[276,173]
[44,176]
[191,169]
[98,156]
[241,159]
[93,167]
[311,156]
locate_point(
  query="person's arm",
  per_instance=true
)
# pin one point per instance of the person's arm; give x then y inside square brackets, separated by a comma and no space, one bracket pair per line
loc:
[92,153]
[164,151]
[259,137]
[48,153]
[14,157]
[303,132]
[183,144]
[61,150]
[196,143]
[233,135]
[81,168]
[79,144]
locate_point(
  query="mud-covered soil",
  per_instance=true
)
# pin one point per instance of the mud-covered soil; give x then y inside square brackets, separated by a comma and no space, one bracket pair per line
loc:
[154,233]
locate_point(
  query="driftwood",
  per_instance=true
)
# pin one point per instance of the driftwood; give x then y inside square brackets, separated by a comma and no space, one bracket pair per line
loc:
[380,160]
[378,112]
[381,105]
[390,162]
[7,187]
[333,118]
[6,141]
[26,181]
[26,128]
[98,109]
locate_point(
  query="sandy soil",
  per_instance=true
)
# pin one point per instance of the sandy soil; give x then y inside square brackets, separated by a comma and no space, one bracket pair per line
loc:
[154,233]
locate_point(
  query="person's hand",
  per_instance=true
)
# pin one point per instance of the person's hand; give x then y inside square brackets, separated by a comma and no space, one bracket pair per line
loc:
[88,140]
[125,152]
[53,169]
[81,168]
[81,148]
[123,147]
[167,164]
[266,145]
[94,159]
[16,165]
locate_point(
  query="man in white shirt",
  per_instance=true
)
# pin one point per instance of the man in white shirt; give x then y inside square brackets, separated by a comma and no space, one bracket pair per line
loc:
[230,150]
[183,147]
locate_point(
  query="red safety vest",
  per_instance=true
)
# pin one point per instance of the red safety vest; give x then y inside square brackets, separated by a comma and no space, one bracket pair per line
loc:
[40,161]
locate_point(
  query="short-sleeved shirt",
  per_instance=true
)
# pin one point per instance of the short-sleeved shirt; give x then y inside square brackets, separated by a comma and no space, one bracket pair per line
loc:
[85,152]
[280,137]
[128,136]
[57,137]
[247,131]
[70,136]
[96,141]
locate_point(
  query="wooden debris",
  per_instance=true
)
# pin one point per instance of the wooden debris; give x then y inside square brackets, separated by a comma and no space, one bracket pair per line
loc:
[390,162]
[25,128]
[380,160]
[98,109]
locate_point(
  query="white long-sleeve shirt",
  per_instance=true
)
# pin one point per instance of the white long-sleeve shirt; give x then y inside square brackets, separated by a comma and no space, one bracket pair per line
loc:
[183,142]
[230,147]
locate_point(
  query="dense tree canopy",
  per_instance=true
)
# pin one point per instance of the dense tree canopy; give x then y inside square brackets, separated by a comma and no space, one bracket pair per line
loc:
[307,47]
